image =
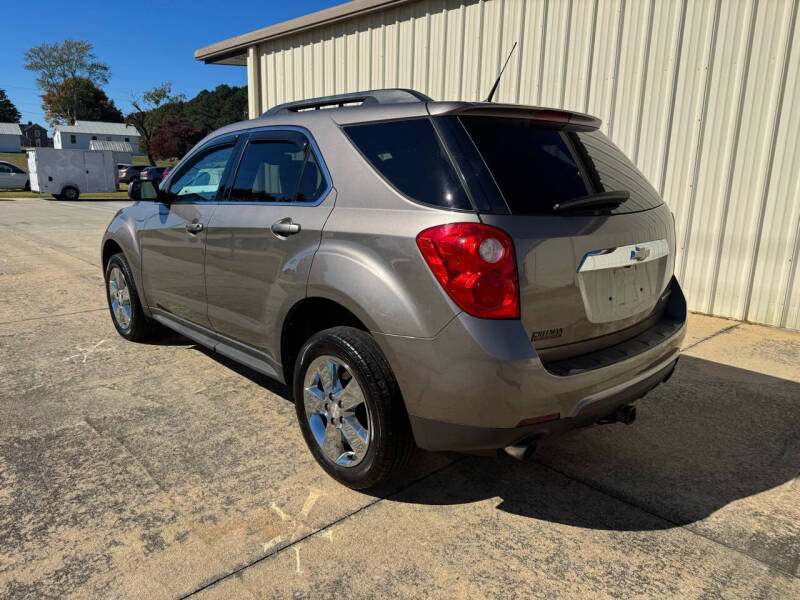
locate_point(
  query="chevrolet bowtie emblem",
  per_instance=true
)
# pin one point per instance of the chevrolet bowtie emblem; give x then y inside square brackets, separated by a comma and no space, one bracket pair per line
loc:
[640,253]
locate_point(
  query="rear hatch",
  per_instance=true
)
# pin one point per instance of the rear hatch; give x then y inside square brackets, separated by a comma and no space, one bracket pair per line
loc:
[594,242]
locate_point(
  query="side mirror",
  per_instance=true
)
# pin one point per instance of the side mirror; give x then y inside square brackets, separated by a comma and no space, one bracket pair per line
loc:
[146,190]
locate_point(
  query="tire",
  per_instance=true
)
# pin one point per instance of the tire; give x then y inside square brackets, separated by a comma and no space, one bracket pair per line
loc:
[381,415]
[137,326]
[27,187]
[70,193]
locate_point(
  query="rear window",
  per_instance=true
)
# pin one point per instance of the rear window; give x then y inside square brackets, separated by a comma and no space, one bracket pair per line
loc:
[536,167]
[409,155]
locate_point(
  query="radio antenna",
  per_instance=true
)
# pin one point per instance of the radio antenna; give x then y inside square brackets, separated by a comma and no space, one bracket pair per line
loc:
[497,81]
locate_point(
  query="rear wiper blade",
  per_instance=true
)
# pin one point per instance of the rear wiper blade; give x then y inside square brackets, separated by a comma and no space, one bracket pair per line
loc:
[614,199]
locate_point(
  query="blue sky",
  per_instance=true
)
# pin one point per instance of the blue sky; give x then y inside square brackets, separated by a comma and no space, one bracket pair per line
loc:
[143,43]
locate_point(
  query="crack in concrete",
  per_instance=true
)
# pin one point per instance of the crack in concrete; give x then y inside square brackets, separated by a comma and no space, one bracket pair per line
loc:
[69,314]
[687,527]
[278,549]
[713,335]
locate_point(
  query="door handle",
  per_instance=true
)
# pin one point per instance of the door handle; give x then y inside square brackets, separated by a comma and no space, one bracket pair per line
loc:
[194,227]
[285,227]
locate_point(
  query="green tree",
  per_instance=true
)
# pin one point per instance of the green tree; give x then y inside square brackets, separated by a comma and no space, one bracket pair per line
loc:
[8,112]
[79,98]
[210,110]
[58,63]
[150,111]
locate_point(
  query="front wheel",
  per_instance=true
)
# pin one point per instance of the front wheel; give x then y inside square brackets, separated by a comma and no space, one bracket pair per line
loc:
[350,409]
[123,301]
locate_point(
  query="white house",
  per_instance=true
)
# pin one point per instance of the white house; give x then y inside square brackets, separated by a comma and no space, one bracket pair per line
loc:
[81,135]
[10,136]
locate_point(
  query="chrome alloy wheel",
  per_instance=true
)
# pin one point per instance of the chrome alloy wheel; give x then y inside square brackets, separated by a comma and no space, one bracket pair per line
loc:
[120,298]
[336,411]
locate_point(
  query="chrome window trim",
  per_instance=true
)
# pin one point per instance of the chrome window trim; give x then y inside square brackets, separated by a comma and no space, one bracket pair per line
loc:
[624,256]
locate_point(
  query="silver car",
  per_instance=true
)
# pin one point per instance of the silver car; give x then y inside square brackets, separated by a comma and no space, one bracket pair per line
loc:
[447,275]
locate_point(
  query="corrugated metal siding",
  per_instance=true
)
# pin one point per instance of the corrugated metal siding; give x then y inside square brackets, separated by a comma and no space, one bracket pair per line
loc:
[703,95]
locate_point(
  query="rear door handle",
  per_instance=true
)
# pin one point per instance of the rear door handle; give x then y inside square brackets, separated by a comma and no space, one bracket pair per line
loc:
[285,227]
[194,227]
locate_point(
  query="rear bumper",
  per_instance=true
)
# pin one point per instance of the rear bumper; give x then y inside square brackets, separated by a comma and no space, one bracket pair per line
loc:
[470,386]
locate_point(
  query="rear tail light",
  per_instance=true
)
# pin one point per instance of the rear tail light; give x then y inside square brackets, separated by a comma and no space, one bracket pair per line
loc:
[474,263]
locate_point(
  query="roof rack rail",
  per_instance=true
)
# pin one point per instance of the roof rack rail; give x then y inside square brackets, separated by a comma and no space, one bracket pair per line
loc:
[385,96]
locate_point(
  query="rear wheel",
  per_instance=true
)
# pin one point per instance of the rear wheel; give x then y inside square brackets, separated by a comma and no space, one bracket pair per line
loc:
[350,409]
[70,193]
[123,301]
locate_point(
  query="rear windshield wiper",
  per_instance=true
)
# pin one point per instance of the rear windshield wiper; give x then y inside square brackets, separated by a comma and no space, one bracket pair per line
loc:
[609,199]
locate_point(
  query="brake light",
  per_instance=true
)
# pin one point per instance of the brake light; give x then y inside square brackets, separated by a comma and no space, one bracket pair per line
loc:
[474,263]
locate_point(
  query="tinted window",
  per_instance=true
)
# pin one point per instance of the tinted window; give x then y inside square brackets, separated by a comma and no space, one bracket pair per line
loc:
[312,182]
[536,167]
[409,155]
[5,169]
[271,170]
[610,170]
[200,180]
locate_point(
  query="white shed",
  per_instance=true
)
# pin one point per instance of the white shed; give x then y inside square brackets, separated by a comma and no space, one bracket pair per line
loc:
[10,136]
[81,135]
[122,150]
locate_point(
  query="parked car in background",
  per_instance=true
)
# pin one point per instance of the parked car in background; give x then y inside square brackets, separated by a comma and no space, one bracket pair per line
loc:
[152,174]
[130,173]
[121,167]
[166,172]
[13,178]
[481,277]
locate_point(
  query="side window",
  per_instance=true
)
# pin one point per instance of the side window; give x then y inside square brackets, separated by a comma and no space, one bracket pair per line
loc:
[200,180]
[409,155]
[5,169]
[277,171]
[312,181]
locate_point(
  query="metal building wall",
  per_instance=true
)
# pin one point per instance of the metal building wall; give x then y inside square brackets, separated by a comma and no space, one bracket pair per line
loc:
[704,95]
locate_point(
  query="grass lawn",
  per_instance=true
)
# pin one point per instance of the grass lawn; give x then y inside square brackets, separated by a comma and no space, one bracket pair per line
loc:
[15,158]
[123,195]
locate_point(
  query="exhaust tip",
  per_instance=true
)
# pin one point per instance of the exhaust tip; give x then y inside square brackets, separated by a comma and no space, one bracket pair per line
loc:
[523,450]
[626,414]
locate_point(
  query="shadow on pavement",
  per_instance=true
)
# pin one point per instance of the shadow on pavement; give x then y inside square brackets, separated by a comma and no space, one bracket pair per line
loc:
[712,435]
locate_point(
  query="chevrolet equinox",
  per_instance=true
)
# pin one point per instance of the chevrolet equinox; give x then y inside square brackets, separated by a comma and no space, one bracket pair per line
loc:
[458,276]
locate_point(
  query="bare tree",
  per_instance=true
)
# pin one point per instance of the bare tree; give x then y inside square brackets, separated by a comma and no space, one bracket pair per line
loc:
[58,63]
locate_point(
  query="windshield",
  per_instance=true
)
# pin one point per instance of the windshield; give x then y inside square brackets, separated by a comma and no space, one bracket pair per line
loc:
[537,167]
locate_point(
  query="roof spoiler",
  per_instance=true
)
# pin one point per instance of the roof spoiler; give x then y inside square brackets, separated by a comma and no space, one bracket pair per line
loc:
[554,116]
[385,96]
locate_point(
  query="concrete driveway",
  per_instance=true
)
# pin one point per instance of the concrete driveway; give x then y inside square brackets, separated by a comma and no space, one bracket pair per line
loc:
[161,470]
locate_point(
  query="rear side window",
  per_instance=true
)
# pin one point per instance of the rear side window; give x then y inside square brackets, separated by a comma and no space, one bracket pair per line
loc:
[536,167]
[409,155]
